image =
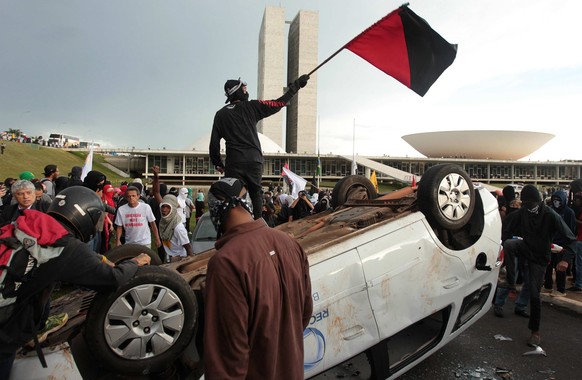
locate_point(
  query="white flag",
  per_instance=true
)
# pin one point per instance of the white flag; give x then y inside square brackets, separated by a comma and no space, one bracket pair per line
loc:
[88,165]
[298,183]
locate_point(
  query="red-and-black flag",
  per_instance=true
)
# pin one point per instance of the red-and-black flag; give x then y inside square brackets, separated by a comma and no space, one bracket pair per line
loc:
[404,46]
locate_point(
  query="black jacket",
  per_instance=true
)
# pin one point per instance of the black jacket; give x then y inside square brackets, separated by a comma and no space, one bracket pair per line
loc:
[236,123]
[538,230]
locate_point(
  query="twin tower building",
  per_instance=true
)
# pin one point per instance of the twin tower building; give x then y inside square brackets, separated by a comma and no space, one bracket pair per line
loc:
[298,39]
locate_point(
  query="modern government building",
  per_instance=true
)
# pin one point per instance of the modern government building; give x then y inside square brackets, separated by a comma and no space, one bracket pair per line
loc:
[289,48]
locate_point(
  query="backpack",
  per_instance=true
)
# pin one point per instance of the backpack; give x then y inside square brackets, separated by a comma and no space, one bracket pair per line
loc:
[25,245]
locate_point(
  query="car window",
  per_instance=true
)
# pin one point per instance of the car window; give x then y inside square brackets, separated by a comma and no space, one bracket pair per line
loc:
[205,230]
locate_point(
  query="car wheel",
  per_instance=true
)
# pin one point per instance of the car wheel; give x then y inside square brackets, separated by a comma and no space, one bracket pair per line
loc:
[129,251]
[446,196]
[143,326]
[352,187]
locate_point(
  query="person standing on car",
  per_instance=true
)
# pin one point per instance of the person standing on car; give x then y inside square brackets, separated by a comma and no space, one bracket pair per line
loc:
[528,234]
[71,221]
[236,123]
[257,294]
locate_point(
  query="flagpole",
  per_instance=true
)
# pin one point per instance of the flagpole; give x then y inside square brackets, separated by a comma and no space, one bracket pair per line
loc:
[318,155]
[354,166]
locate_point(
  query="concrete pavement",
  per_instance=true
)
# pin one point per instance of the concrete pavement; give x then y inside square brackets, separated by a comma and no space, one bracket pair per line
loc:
[572,301]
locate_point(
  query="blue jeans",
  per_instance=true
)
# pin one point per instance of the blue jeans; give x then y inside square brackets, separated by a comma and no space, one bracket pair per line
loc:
[578,268]
[523,297]
[535,272]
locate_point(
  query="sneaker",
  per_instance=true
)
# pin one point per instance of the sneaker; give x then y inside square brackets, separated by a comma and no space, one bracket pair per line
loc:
[498,311]
[557,293]
[53,323]
[574,289]
[521,313]
[534,340]
[546,290]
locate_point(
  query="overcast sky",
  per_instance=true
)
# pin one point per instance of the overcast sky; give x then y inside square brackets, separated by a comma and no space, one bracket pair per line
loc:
[150,73]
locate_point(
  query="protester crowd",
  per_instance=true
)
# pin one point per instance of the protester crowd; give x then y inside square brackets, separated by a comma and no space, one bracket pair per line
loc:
[542,242]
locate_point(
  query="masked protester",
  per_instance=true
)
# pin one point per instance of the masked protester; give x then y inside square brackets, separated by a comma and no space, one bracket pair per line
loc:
[527,235]
[236,123]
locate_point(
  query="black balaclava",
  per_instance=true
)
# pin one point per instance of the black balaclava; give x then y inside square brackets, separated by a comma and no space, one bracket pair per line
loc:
[223,196]
[531,198]
[233,89]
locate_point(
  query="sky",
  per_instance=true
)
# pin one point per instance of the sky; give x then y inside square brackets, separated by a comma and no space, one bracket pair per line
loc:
[150,73]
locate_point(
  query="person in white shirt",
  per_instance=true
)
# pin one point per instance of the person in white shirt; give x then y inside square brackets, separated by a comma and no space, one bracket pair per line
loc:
[172,231]
[137,219]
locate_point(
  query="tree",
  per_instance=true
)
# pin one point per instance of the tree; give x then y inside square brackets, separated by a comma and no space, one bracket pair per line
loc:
[15,132]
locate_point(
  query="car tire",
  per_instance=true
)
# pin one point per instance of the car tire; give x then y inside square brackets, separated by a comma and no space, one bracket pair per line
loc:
[129,251]
[446,196]
[352,187]
[143,326]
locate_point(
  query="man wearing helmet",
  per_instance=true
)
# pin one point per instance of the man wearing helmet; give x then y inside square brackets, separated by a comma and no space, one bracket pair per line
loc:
[258,294]
[73,215]
[236,123]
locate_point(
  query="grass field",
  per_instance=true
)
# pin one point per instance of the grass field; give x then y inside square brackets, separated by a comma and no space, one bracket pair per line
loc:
[18,158]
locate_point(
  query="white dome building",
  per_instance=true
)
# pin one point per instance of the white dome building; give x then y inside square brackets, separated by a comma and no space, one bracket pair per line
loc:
[496,145]
[267,145]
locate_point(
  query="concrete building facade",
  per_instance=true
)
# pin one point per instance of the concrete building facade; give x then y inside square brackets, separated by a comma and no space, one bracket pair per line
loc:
[274,73]
[302,58]
[272,76]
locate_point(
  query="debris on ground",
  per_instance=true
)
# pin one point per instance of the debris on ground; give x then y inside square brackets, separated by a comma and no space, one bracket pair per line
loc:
[503,373]
[501,337]
[537,351]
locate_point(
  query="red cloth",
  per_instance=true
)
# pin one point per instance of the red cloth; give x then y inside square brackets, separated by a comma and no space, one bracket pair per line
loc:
[405,47]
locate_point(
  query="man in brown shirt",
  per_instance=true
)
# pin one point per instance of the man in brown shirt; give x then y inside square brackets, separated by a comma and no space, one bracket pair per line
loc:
[258,294]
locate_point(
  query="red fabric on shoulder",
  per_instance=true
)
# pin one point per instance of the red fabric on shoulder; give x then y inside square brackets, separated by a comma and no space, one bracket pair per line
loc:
[41,226]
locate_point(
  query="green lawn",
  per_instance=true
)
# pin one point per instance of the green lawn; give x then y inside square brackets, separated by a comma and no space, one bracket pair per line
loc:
[18,158]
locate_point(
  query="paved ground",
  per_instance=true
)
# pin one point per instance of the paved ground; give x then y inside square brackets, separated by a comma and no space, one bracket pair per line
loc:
[477,354]
[572,301]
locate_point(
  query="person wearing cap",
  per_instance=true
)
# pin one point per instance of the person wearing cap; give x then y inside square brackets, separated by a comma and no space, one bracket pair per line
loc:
[527,234]
[51,172]
[236,123]
[257,294]
[29,176]
[75,176]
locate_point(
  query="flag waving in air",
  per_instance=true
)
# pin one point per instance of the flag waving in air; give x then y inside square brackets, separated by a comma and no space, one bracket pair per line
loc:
[405,47]
[88,165]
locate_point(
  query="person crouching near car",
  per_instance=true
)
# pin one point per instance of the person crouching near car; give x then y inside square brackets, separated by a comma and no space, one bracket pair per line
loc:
[71,222]
[257,294]
[172,231]
[528,234]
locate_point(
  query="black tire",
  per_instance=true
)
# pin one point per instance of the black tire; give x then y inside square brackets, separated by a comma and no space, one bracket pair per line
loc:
[352,187]
[129,251]
[144,326]
[446,196]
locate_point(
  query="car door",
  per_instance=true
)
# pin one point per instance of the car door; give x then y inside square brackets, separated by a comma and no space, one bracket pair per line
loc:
[342,324]
[409,276]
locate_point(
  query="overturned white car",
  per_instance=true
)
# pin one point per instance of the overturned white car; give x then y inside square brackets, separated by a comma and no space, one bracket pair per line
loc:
[395,276]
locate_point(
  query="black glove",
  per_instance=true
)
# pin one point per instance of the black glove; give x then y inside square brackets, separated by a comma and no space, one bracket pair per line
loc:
[298,83]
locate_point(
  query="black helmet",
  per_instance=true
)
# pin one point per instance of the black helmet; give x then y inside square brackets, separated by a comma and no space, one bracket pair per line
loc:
[79,208]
